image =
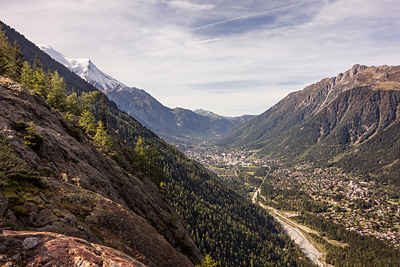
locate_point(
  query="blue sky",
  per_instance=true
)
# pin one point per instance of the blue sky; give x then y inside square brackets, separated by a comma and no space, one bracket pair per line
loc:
[231,57]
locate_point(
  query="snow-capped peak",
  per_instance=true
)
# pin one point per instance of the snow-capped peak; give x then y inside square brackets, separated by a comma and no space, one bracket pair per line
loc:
[55,55]
[84,68]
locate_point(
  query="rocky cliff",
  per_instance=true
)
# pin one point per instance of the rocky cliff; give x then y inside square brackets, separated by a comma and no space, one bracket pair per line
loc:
[83,193]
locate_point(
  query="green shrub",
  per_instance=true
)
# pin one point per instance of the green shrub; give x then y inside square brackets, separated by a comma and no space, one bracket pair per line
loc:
[32,139]
[13,171]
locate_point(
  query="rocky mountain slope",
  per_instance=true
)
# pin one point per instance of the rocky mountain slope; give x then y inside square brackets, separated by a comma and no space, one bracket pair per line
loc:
[174,125]
[83,193]
[351,120]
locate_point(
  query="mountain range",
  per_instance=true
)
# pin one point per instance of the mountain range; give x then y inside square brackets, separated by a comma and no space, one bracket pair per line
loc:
[176,125]
[143,203]
[351,121]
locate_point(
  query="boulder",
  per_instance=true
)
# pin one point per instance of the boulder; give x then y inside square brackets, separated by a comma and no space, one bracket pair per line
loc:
[29,243]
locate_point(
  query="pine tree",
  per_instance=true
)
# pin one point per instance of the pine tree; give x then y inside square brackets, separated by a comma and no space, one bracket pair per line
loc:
[57,97]
[85,100]
[103,110]
[37,64]
[13,171]
[5,53]
[16,63]
[141,159]
[38,82]
[73,104]
[87,122]
[102,139]
[32,139]
[26,75]
[208,262]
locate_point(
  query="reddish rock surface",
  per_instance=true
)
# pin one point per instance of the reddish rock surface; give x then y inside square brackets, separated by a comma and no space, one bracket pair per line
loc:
[59,250]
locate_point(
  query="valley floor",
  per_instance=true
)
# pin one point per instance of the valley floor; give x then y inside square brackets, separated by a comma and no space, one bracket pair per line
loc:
[359,205]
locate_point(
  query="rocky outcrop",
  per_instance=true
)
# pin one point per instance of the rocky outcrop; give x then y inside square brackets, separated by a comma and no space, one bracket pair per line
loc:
[49,249]
[102,199]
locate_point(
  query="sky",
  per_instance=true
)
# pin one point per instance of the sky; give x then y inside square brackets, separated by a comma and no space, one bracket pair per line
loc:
[228,56]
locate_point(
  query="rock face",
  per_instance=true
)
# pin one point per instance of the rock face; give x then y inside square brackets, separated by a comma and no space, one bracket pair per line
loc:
[102,199]
[51,249]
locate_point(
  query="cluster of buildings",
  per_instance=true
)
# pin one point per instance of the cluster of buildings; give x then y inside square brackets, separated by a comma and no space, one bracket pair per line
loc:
[215,156]
[354,203]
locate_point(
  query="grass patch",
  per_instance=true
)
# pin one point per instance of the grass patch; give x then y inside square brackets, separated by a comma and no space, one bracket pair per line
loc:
[17,182]
[253,157]
[18,196]
[217,168]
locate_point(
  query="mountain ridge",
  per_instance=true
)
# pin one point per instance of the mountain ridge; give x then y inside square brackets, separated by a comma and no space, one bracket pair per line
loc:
[322,122]
[85,69]
[239,120]
[176,125]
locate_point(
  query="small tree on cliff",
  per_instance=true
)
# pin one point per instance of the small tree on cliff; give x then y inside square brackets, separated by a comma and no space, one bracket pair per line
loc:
[208,262]
[102,139]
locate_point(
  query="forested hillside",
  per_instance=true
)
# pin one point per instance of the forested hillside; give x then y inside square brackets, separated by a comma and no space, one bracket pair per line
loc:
[223,224]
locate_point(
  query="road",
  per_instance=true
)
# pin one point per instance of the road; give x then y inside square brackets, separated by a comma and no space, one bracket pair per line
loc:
[294,231]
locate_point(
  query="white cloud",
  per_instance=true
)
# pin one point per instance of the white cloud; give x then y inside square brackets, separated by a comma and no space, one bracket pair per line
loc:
[190,6]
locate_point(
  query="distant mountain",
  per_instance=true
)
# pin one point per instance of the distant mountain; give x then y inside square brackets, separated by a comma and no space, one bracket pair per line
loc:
[351,121]
[84,68]
[174,125]
[235,120]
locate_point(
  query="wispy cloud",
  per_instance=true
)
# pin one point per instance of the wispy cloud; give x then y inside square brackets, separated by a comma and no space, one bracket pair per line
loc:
[250,15]
[192,44]
[190,6]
